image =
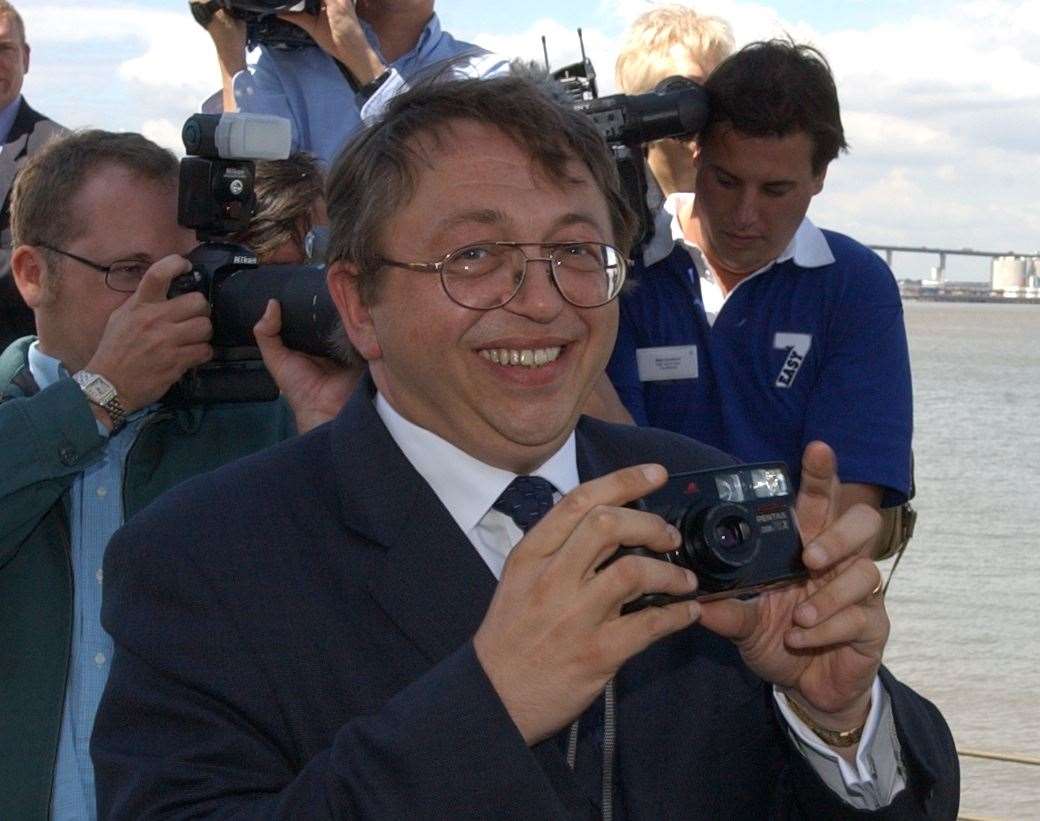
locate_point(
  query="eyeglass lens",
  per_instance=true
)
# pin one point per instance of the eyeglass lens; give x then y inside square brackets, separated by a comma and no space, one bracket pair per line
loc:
[125,275]
[588,274]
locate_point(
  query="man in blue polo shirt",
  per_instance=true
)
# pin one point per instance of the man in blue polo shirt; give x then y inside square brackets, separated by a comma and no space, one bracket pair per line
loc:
[752,329]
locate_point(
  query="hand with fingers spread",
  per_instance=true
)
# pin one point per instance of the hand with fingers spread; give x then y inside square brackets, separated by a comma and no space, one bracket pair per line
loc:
[337,31]
[553,635]
[150,341]
[315,387]
[821,640]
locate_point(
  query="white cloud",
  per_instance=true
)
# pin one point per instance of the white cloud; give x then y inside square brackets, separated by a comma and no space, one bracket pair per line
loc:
[164,132]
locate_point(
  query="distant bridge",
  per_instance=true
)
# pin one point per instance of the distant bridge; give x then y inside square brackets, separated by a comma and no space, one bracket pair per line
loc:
[942,253]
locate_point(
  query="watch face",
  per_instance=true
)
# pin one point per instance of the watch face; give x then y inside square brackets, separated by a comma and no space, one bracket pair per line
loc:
[97,388]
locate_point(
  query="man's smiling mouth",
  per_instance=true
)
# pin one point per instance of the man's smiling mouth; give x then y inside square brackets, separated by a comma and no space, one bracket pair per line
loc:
[522,357]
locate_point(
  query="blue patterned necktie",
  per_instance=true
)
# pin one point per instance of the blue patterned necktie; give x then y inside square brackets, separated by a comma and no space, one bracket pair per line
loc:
[526,500]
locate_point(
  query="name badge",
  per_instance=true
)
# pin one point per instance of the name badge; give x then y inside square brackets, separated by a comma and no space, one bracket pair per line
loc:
[669,362]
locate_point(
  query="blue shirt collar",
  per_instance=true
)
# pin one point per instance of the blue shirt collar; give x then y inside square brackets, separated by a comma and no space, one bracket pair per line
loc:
[45,369]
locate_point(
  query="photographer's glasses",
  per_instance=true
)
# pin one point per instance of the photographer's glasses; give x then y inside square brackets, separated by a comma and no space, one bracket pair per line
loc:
[487,275]
[123,275]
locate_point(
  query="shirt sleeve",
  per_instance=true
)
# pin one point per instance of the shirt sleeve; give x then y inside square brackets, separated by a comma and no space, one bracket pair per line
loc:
[861,403]
[878,775]
[476,67]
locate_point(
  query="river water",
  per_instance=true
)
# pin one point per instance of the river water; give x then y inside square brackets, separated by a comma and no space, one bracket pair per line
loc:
[964,602]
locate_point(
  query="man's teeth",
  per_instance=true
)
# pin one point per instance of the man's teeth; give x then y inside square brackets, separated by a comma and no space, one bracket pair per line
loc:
[524,357]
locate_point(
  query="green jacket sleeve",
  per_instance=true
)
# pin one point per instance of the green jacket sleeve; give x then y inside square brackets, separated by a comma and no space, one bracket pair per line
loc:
[45,441]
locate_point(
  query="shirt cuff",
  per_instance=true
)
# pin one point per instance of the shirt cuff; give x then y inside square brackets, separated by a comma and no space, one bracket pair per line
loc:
[375,105]
[878,774]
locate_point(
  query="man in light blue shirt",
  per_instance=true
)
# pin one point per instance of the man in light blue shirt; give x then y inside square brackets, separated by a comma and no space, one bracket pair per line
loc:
[86,440]
[364,56]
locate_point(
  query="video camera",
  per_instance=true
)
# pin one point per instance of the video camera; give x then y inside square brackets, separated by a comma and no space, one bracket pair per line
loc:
[739,533]
[215,199]
[677,108]
[262,22]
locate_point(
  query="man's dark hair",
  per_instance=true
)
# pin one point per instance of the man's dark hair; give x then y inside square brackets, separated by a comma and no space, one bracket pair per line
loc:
[775,88]
[378,171]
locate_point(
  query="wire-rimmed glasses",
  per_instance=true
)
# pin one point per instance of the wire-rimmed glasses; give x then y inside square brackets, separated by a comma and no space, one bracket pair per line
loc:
[486,275]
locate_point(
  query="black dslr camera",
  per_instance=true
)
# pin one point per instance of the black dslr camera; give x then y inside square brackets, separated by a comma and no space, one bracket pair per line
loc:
[739,533]
[215,199]
[262,22]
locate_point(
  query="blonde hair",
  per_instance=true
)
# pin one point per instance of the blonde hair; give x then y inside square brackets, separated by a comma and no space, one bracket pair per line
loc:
[646,57]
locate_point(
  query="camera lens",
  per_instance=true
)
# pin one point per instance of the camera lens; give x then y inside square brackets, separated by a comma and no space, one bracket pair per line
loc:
[731,533]
[718,543]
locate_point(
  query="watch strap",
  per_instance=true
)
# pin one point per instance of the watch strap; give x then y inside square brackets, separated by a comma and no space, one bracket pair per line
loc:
[372,86]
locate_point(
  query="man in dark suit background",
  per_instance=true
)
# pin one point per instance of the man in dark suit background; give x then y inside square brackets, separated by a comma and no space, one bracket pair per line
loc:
[317,631]
[24,131]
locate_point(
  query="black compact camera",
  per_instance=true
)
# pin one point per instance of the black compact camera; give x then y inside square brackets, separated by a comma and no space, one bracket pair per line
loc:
[216,199]
[739,533]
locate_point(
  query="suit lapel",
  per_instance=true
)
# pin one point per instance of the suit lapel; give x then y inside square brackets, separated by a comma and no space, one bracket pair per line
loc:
[14,148]
[425,573]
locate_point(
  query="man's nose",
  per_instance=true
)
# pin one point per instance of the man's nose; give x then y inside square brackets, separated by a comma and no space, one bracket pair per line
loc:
[747,208]
[538,297]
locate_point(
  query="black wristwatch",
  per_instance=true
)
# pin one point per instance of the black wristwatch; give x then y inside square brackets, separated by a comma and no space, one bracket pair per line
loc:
[372,86]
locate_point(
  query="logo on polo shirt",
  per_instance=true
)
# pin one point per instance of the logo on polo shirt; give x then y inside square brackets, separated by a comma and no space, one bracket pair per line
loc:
[797,347]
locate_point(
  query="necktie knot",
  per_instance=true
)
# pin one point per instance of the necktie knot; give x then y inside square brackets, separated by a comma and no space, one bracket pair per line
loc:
[526,500]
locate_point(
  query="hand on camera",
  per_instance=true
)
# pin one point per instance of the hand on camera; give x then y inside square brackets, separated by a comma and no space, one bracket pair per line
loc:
[553,635]
[150,341]
[823,638]
[315,387]
[337,31]
[229,37]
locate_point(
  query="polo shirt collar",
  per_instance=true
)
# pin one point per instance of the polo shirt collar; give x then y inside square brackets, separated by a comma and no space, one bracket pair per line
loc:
[466,486]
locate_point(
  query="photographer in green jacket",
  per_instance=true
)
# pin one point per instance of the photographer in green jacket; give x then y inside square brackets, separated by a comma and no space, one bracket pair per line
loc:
[85,442]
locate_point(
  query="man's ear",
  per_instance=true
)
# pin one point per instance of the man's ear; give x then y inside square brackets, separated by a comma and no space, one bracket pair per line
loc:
[818,181]
[342,280]
[32,275]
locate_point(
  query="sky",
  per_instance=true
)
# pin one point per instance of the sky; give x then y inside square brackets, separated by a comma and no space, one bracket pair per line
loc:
[940,100]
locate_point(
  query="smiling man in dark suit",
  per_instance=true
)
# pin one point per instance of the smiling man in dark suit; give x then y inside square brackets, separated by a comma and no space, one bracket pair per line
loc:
[317,632]
[22,132]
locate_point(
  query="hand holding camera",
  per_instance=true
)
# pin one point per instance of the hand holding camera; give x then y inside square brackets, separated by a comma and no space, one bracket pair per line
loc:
[151,341]
[337,31]
[552,636]
[823,637]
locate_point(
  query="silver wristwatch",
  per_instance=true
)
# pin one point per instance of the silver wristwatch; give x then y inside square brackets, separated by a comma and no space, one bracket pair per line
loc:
[102,393]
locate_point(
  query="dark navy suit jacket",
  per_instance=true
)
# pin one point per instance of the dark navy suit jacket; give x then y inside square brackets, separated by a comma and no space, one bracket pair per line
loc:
[29,132]
[293,640]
